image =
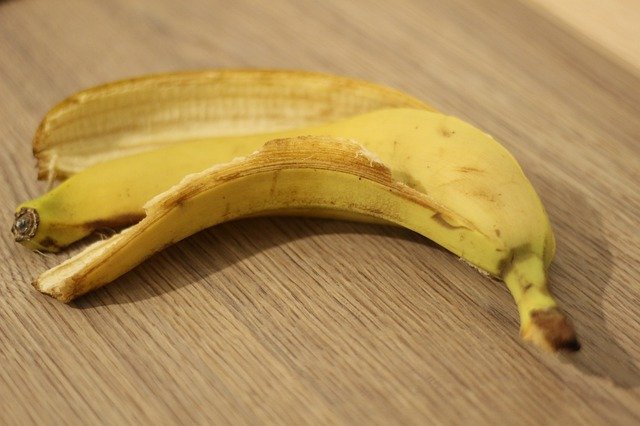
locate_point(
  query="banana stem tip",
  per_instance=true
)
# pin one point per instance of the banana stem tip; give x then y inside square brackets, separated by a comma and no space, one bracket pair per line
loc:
[25,224]
[552,330]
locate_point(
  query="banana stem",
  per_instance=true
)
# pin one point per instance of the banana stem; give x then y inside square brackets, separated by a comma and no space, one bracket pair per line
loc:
[541,321]
[25,224]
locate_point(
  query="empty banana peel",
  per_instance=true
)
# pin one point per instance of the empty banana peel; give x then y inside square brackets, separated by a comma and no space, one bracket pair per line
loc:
[130,116]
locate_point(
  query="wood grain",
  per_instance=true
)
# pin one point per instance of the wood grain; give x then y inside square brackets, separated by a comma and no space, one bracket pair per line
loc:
[311,321]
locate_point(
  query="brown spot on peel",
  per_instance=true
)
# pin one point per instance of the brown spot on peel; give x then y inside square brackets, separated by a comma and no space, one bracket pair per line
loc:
[447,133]
[444,221]
[50,244]
[469,170]
[115,222]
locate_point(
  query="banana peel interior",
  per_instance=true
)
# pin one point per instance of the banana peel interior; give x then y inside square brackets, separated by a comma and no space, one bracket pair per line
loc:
[140,114]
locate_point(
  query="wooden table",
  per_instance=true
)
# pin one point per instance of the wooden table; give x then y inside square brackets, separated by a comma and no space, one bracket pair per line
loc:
[318,321]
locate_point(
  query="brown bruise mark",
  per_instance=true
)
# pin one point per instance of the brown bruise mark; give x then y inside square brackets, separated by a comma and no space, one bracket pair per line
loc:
[557,329]
[115,222]
[484,195]
[447,133]
[467,169]
[50,244]
[439,218]
[373,211]
[497,231]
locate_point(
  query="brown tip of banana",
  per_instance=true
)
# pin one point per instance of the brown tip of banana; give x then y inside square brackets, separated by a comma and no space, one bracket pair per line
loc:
[25,224]
[550,329]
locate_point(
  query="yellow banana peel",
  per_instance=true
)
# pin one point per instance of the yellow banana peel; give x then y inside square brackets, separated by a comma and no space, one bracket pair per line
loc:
[140,114]
[380,156]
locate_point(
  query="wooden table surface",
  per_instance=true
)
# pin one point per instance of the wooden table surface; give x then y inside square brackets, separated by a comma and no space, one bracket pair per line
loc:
[317,321]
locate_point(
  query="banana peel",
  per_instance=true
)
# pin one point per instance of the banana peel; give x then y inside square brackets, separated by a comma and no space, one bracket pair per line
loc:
[319,176]
[397,162]
[141,114]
